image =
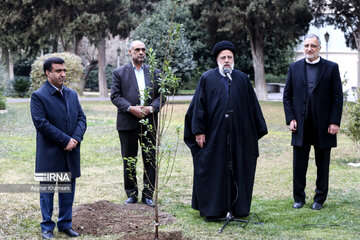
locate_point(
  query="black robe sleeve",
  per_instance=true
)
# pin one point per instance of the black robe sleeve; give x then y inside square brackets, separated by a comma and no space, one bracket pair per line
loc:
[261,128]
[195,117]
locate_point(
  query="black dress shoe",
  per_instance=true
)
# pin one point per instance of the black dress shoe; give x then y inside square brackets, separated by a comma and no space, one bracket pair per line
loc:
[148,201]
[70,232]
[47,234]
[131,200]
[316,206]
[298,205]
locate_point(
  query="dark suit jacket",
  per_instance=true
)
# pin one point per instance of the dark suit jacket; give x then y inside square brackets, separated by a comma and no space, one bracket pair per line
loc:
[125,93]
[57,119]
[327,101]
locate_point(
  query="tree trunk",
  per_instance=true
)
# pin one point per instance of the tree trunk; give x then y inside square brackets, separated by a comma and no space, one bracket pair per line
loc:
[11,67]
[257,52]
[77,42]
[64,43]
[102,63]
[5,62]
[91,66]
[358,68]
[55,45]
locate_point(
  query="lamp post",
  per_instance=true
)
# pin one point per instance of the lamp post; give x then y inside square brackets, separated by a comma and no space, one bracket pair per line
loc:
[118,56]
[327,36]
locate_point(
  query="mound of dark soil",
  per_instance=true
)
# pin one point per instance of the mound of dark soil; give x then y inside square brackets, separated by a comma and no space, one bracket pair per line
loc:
[135,220]
[150,236]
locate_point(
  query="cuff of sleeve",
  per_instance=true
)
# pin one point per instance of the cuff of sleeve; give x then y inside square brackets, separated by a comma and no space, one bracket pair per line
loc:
[128,109]
[65,141]
[77,138]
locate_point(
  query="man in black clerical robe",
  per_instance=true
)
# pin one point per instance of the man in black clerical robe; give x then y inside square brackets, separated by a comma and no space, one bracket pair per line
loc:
[206,135]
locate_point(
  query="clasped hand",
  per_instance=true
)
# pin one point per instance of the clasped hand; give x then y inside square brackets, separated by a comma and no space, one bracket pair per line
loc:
[140,111]
[71,145]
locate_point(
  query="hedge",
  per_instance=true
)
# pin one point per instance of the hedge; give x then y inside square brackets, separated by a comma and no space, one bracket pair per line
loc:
[74,71]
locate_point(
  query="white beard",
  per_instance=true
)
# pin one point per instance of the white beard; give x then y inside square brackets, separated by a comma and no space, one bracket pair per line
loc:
[221,68]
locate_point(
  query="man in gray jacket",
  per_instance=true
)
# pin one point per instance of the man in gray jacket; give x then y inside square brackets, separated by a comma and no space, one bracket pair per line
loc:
[135,94]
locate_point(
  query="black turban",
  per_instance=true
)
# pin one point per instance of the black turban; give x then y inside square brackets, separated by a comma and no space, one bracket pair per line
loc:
[223,45]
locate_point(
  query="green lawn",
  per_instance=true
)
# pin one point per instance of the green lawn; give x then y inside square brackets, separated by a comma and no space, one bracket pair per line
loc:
[102,180]
[186,91]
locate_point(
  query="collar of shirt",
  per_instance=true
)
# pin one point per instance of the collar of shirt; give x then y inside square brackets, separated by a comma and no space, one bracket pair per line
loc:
[61,90]
[141,68]
[313,62]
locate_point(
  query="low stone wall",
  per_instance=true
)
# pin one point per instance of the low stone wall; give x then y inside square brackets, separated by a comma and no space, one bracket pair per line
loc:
[275,87]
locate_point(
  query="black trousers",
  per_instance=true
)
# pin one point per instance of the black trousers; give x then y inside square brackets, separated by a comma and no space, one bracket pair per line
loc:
[129,148]
[300,165]
[301,160]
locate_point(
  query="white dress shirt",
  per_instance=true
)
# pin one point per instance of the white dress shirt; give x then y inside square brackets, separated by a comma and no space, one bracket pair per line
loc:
[140,78]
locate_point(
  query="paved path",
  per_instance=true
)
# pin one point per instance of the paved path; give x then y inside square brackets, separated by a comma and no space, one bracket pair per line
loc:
[271,97]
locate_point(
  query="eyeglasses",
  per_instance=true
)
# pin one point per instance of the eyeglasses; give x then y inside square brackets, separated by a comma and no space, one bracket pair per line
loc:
[310,45]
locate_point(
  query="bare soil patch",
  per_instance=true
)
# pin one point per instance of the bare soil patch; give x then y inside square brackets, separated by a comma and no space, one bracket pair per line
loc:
[136,221]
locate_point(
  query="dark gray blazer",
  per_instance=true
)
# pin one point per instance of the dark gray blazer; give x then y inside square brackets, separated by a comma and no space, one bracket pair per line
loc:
[327,101]
[125,93]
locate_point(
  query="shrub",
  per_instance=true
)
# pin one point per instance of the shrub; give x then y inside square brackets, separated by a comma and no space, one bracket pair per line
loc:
[93,79]
[2,100]
[152,31]
[74,71]
[21,85]
[22,66]
[271,78]
[352,124]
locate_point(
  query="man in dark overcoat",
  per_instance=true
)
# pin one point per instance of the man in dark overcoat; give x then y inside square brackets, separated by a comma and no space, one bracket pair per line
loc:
[135,94]
[313,101]
[224,122]
[60,126]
